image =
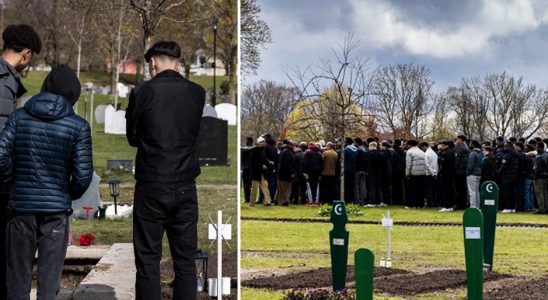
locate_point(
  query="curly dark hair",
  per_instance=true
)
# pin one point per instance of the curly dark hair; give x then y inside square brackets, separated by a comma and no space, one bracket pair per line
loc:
[21,36]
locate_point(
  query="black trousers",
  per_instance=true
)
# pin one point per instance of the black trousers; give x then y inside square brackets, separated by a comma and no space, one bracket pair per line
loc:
[298,191]
[508,191]
[416,191]
[170,208]
[26,234]
[349,179]
[397,189]
[447,192]
[431,191]
[374,190]
[246,181]
[328,190]
[386,188]
[461,192]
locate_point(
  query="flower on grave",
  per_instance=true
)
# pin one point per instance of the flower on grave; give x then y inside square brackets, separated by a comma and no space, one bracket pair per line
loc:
[86,239]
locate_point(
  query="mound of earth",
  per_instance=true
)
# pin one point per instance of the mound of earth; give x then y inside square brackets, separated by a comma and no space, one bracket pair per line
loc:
[536,289]
[316,278]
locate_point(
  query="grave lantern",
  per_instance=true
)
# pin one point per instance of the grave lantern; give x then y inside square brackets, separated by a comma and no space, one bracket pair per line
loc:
[114,185]
[200,259]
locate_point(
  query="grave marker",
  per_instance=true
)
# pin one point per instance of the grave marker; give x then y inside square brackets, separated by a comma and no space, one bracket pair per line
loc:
[365,269]
[489,198]
[338,242]
[473,251]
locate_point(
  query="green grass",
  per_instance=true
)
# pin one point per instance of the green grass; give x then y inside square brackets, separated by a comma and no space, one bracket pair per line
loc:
[210,200]
[283,246]
[108,146]
[398,213]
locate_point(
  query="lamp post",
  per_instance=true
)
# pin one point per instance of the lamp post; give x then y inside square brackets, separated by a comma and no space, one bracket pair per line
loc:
[214,96]
[114,185]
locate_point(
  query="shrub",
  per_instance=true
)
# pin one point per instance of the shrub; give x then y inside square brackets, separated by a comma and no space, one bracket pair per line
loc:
[351,209]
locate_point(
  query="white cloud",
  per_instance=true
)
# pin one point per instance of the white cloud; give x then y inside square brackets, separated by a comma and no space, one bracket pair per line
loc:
[381,25]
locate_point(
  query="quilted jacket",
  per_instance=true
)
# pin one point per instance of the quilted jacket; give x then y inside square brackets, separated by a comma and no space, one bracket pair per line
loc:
[46,149]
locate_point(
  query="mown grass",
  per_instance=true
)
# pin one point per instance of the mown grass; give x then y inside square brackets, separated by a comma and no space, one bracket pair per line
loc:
[398,213]
[108,146]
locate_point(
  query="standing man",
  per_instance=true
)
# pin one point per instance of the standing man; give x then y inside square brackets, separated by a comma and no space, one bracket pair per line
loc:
[540,174]
[258,167]
[446,170]
[415,171]
[328,191]
[21,42]
[163,122]
[286,174]
[298,191]
[245,154]
[473,173]
[350,152]
[360,191]
[461,164]
[431,174]
[508,173]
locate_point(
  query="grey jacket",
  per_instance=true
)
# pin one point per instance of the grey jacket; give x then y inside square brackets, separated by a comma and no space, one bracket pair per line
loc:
[10,89]
[474,163]
[415,162]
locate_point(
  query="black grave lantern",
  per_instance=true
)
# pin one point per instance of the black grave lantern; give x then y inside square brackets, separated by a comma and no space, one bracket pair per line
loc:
[200,259]
[114,185]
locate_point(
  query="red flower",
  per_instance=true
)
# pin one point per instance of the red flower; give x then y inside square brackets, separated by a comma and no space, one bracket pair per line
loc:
[86,239]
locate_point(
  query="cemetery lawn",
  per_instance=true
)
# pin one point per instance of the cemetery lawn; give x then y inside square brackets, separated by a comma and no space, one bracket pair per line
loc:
[210,199]
[288,246]
[108,146]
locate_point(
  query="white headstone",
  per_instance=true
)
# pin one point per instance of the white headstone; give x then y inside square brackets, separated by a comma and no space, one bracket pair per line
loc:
[227,112]
[115,121]
[122,90]
[209,111]
[100,114]
[87,85]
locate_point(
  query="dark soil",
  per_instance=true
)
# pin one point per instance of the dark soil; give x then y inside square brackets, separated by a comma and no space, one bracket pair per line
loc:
[532,290]
[71,278]
[411,284]
[316,278]
[230,269]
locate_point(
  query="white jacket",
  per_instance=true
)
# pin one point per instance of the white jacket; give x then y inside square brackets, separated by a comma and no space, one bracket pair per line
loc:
[431,162]
[415,162]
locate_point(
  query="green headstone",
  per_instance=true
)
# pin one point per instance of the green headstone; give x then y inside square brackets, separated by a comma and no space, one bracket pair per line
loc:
[365,269]
[338,239]
[489,201]
[473,251]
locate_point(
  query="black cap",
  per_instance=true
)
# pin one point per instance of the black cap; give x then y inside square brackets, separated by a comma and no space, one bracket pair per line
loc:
[63,81]
[163,48]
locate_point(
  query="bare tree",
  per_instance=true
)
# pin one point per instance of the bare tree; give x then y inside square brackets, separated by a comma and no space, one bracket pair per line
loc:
[333,93]
[402,97]
[255,33]
[265,107]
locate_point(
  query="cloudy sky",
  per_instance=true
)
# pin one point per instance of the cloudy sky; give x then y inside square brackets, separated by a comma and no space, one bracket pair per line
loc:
[454,39]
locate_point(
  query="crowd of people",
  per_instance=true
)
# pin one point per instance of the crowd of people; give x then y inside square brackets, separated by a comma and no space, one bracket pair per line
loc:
[371,172]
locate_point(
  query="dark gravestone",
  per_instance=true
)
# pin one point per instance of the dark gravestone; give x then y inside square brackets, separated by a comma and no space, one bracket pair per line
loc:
[91,197]
[212,147]
[121,165]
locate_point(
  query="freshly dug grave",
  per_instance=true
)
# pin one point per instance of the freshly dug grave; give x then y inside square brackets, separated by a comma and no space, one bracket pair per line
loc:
[536,289]
[230,269]
[316,278]
[411,284]
[71,277]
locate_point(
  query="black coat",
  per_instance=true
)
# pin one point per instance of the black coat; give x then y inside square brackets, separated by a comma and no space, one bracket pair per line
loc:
[163,122]
[376,164]
[258,160]
[286,171]
[312,163]
[508,171]
[361,160]
[298,166]
[47,149]
[489,168]
[461,159]
[446,164]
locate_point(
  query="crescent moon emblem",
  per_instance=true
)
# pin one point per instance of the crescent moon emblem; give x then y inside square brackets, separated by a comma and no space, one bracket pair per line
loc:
[338,209]
[489,187]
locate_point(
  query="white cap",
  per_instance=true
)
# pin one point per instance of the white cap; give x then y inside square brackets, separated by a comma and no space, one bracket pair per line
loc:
[260,140]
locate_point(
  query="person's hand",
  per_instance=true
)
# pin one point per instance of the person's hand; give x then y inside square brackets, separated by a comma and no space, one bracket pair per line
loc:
[264,167]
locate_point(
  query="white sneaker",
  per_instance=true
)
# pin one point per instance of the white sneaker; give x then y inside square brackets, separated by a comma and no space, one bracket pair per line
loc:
[513,211]
[369,205]
[382,204]
[445,209]
[506,211]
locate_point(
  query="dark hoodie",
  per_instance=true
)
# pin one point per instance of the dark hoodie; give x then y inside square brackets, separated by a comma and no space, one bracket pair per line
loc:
[508,170]
[46,148]
[312,161]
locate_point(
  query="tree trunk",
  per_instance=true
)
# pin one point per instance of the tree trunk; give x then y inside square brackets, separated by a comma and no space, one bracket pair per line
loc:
[148,40]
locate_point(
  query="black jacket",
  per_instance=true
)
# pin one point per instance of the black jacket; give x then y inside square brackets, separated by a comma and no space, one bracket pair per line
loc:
[285,165]
[541,166]
[47,150]
[489,168]
[361,160]
[446,164]
[376,164]
[298,161]
[163,122]
[258,160]
[461,159]
[508,170]
[312,162]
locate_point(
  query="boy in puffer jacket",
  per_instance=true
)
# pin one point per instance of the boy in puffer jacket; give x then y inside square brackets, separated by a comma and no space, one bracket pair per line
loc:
[46,150]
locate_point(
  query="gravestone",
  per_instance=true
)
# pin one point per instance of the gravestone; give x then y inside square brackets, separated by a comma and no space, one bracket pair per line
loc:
[211,146]
[338,242]
[87,85]
[227,111]
[115,121]
[209,111]
[119,164]
[100,114]
[91,198]
[122,90]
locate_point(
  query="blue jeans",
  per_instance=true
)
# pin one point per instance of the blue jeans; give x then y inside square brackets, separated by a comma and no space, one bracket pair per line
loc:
[528,193]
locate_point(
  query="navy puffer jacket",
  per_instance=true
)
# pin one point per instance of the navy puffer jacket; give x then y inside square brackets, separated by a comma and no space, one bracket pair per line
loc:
[46,148]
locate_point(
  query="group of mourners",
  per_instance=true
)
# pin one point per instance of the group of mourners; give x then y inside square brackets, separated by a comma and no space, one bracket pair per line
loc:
[371,172]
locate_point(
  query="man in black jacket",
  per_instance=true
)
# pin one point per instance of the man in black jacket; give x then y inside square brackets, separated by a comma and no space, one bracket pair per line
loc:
[163,122]
[298,190]
[461,163]
[540,174]
[286,173]
[21,42]
[508,173]
[245,154]
[446,171]
[46,149]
